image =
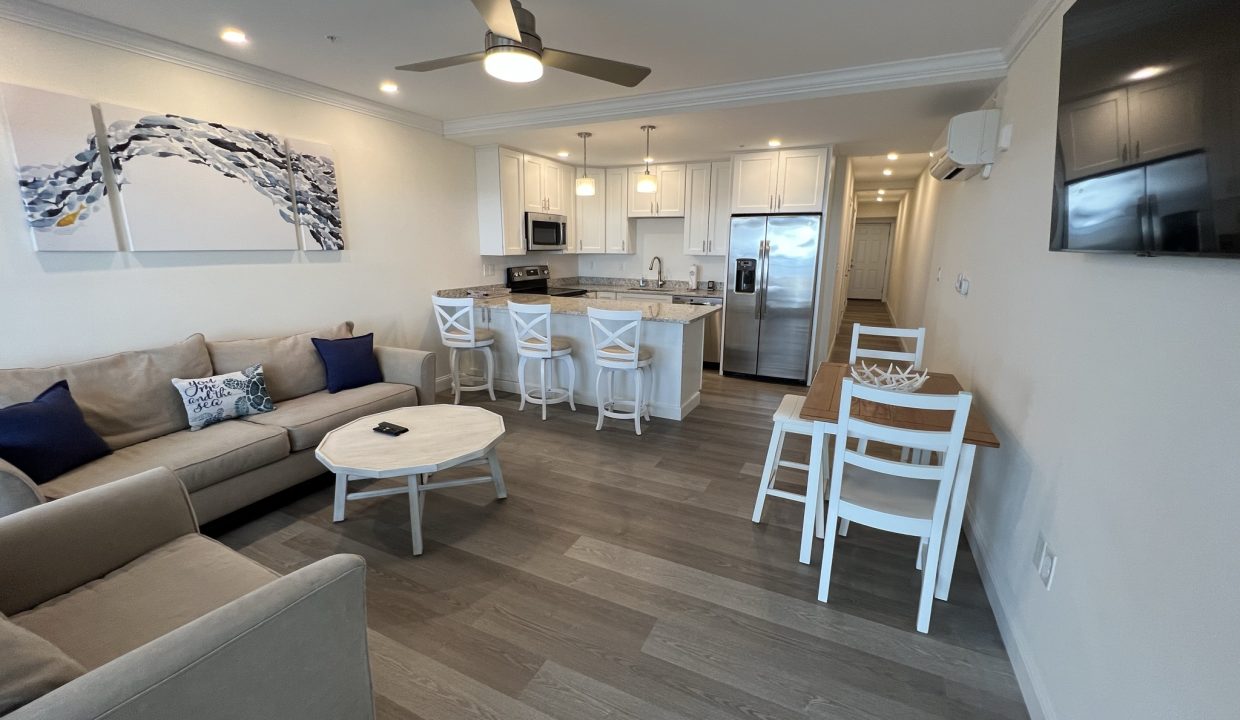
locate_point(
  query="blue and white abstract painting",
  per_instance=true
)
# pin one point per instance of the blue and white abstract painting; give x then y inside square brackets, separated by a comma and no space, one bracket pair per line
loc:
[60,170]
[316,199]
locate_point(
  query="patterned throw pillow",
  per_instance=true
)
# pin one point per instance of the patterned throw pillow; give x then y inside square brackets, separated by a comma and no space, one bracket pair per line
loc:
[221,397]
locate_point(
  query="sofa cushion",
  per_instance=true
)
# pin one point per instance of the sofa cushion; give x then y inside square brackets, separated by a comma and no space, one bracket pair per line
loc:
[199,458]
[30,666]
[128,397]
[152,595]
[290,363]
[48,436]
[349,362]
[309,418]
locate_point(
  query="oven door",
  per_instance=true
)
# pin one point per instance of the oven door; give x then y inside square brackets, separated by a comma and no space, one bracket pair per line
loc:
[545,232]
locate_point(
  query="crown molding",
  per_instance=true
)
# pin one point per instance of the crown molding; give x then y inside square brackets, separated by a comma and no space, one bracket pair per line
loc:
[1032,23]
[65,22]
[955,67]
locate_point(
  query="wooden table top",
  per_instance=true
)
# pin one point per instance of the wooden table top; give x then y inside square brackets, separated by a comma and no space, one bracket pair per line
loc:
[823,403]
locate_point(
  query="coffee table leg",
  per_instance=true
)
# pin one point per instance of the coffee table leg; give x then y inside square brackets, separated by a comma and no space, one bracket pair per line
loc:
[501,491]
[342,490]
[415,513]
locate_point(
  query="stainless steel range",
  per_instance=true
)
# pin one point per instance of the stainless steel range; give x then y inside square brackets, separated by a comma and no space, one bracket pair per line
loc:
[532,279]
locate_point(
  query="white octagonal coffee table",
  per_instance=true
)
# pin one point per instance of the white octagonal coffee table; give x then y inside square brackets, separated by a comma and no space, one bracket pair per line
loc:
[439,437]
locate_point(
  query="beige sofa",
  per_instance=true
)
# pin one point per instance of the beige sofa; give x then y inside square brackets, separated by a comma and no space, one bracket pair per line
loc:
[146,618]
[129,399]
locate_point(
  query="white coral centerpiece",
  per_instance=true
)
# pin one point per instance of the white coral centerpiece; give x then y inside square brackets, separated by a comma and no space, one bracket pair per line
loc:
[895,379]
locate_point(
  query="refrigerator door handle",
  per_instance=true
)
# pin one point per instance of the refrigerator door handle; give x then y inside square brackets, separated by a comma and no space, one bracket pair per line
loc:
[766,264]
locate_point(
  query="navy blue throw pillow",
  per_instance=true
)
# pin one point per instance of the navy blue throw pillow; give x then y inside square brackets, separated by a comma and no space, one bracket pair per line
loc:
[47,437]
[350,362]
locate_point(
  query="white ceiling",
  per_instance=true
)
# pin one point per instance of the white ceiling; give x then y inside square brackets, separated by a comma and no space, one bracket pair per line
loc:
[688,43]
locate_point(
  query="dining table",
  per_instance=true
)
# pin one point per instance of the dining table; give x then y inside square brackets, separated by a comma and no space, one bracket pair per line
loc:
[822,408]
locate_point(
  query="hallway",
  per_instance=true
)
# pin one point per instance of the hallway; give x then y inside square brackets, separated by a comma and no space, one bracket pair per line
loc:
[866,312]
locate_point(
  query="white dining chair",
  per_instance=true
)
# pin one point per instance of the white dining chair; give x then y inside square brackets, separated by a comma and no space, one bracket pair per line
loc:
[895,496]
[531,327]
[913,358]
[787,420]
[457,331]
[617,339]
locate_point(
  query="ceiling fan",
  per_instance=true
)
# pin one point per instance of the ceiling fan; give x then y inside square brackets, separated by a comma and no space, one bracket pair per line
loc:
[515,53]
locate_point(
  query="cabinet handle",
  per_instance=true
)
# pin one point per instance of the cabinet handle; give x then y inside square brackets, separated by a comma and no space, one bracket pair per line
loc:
[779,202]
[1124,154]
[1138,155]
[770,202]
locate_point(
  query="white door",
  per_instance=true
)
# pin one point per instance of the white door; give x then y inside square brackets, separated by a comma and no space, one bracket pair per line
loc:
[510,202]
[697,212]
[641,204]
[617,208]
[532,184]
[720,208]
[671,200]
[555,187]
[754,177]
[802,175]
[871,247]
[591,215]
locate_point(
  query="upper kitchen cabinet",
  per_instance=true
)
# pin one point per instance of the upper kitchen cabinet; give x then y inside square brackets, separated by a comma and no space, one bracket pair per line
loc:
[501,209]
[667,201]
[617,228]
[708,218]
[788,181]
[591,227]
[1132,125]
[546,185]
[720,208]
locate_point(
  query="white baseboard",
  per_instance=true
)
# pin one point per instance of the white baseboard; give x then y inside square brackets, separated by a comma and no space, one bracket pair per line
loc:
[443,383]
[1032,687]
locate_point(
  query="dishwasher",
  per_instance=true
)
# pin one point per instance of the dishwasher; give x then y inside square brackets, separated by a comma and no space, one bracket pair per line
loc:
[714,325]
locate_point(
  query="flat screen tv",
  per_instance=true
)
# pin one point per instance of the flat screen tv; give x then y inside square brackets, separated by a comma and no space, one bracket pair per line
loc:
[1148,154]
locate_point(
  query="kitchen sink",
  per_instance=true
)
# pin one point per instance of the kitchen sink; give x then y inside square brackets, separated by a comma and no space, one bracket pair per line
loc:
[648,289]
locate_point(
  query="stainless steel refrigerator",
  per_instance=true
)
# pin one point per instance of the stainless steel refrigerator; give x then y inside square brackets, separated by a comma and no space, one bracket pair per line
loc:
[769,313]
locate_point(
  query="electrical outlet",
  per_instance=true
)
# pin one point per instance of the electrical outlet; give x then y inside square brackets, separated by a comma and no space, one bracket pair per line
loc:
[1046,571]
[962,284]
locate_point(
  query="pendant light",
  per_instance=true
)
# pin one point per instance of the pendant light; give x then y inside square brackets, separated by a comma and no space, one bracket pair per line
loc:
[647,184]
[585,184]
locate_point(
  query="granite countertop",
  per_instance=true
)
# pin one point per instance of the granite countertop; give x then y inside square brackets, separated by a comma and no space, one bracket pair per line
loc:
[669,290]
[652,311]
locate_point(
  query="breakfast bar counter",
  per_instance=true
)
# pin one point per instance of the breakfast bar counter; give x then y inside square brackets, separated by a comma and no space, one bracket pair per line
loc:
[674,332]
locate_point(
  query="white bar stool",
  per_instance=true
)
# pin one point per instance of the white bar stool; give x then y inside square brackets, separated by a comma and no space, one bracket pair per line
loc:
[531,325]
[456,330]
[788,420]
[617,335]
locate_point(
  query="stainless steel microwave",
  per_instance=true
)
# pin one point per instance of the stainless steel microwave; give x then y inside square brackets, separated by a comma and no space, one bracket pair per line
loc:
[545,232]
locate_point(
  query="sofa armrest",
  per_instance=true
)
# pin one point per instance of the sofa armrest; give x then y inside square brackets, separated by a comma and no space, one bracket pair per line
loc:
[410,367]
[17,490]
[295,648]
[55,547]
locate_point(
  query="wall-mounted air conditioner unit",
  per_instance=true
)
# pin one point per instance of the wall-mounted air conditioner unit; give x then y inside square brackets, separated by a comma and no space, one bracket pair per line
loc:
[967,146]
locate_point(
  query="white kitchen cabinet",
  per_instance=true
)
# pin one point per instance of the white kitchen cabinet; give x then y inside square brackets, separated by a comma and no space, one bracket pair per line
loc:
[590,235]
[720,209]
[667,201]
[501,212]
[790,181]
[546,185]
[1132,125]
[697,208]
[617,228]
[754,178]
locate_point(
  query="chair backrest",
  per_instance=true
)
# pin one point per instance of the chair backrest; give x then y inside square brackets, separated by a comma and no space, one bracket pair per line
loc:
[946,443]
[531,326]
[456,320]
[914,358]
[616,336]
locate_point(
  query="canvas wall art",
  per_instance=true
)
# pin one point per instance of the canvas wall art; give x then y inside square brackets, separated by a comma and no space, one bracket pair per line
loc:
[188,184]
[60,170]
[316,200]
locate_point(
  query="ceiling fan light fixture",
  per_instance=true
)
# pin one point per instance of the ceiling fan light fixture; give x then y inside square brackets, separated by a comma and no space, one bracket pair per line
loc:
[513,64]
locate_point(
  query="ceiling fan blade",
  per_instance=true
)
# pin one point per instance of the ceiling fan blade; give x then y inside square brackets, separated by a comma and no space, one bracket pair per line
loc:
[612,71]
[499,17]
[443,62]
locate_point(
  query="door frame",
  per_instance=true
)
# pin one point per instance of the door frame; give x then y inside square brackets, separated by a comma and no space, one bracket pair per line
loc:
[890,222]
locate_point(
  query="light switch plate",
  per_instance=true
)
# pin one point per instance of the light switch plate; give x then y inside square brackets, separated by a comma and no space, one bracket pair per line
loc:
[1047,570]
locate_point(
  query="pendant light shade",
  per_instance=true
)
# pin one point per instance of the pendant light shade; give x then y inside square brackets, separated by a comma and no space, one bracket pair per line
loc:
[585,184]
[647,184]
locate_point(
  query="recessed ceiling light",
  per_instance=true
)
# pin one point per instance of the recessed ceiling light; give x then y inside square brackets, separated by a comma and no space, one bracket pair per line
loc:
[1146,73]
[879,199]
[887,171]
[389,87]
[562,153]
[882,192]
[893,156]
[774,142]
[931,153]
[233,36]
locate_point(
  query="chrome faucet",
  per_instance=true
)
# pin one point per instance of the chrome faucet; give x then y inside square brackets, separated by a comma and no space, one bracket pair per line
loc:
[659,282]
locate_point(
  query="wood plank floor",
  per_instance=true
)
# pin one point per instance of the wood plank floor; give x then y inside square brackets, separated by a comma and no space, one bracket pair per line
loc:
[623,579]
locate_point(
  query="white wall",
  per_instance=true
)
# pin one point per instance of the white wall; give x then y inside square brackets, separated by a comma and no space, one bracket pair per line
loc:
[910,260]
[870,209]
[1111,383]
[664,237]
[407,198]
